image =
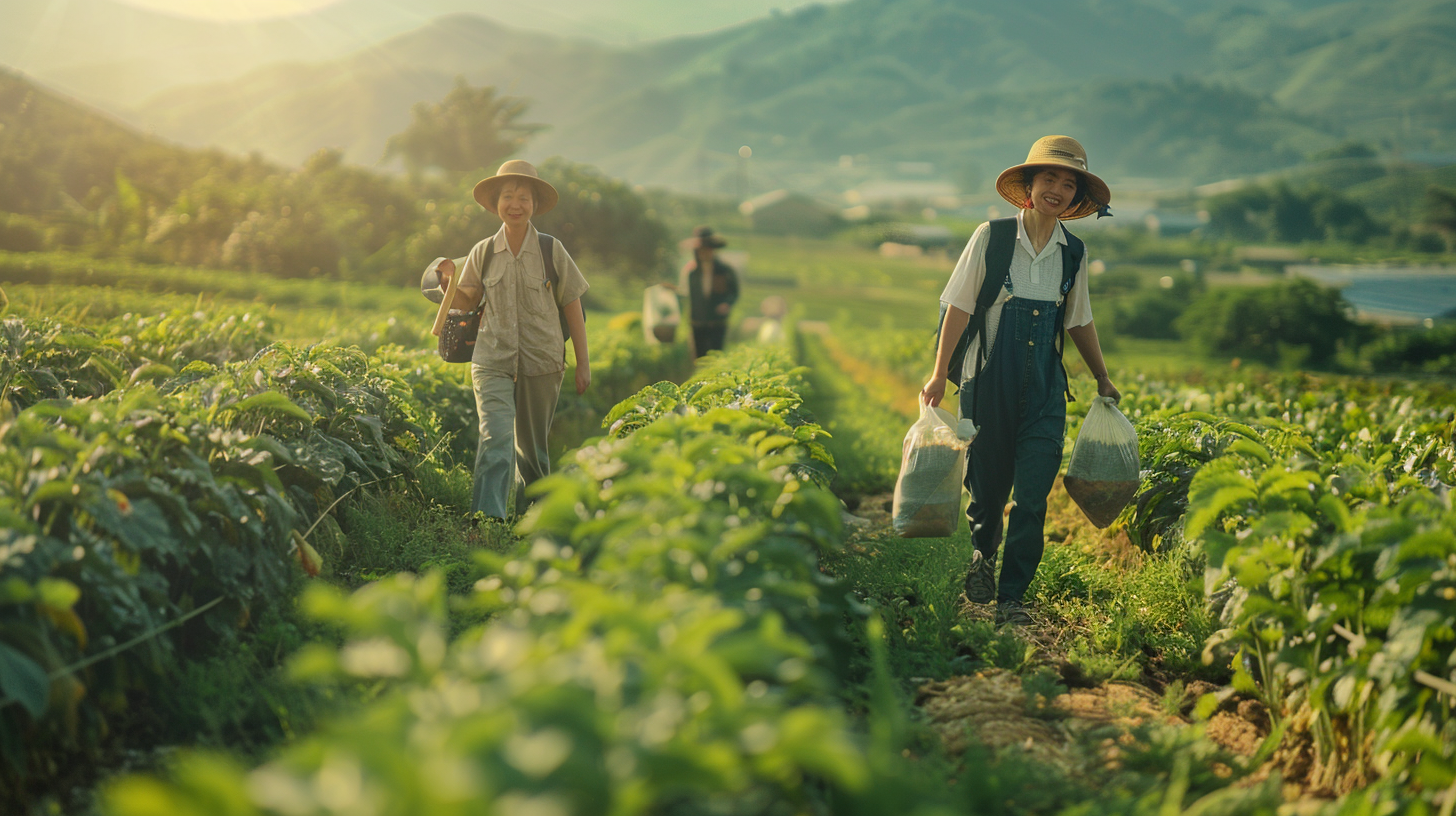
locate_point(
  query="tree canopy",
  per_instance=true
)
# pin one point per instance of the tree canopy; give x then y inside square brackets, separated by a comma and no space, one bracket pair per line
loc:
[470,129]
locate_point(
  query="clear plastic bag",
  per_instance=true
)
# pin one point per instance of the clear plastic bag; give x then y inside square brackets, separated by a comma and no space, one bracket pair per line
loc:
[1104,472]
[660,314]
[932,469]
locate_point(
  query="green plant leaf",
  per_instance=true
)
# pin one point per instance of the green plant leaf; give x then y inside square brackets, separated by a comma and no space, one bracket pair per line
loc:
[271,402]
[23,680]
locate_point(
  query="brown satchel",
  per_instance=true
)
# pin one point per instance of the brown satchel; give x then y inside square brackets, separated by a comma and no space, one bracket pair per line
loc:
[457,332]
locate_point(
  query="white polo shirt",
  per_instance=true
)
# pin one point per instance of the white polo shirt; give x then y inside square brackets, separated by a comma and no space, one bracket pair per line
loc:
[1034,276]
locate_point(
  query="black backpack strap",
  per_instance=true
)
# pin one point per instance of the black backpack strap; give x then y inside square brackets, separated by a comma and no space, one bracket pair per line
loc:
[548,246]
[1072,255]
[1000,245]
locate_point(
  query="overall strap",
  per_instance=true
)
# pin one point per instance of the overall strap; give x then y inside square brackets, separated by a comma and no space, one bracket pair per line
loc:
[1072,255]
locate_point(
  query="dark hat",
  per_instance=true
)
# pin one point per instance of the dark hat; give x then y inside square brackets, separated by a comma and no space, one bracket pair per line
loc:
[704,237]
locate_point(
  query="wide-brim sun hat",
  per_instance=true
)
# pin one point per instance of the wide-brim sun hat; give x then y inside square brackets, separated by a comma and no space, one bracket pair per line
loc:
[487,190]
[1056,151]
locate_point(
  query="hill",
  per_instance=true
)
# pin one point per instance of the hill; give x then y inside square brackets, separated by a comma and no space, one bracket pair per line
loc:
[1175,90]
[1381,72]
[113,54]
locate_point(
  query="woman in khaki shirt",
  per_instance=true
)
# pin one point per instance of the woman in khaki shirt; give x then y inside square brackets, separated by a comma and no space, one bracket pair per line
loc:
[520,357]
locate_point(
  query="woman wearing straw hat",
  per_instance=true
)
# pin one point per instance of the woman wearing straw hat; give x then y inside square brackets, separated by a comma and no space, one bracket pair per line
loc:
[519,358]
[1019,283]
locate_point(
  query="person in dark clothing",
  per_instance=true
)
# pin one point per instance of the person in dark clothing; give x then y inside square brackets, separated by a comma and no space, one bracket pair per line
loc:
[711,288]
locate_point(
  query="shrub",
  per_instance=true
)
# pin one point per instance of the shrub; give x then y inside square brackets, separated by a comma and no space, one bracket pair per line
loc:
[1428,350]
[1255,322]
[21,234]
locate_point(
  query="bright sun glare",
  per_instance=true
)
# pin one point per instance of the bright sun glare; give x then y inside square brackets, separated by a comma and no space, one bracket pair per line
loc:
[231,9]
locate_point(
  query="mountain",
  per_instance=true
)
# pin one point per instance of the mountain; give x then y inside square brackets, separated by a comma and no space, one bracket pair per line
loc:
[113,54]
[1154,88]
[1384,72]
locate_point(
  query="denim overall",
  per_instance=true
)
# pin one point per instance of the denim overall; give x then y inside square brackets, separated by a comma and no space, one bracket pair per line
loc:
[1018,401]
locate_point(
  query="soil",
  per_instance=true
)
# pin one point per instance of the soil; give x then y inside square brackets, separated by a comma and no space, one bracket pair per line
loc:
[991,706]
[930,521]
[1102,501]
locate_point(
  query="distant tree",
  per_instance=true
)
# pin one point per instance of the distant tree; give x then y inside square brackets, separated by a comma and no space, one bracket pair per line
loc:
[470,129]
[1154,313]
[1344,150]
[1235,214]
[606,226]
[604,218]
[1280,212]
[1441,209]
[1254,322]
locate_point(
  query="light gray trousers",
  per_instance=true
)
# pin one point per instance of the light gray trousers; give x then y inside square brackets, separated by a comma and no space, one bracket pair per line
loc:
[515,417]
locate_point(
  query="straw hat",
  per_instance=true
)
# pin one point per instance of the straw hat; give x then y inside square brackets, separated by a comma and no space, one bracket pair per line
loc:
[1056,151]
[487,191]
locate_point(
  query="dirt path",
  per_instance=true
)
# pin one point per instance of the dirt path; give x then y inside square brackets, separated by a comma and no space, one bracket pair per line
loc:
[996,708]
[1089,728]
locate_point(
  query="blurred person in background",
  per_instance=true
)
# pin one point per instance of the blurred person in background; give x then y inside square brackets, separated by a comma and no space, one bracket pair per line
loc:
[1013,384]
[520,358]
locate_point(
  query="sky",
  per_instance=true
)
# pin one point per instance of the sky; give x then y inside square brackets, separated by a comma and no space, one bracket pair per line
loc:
[231,9]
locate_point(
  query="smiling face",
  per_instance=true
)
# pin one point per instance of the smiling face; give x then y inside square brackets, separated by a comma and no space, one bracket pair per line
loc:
[1053,191]
[516,203]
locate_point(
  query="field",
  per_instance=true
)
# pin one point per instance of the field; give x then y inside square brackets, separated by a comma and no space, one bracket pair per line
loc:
[238,577]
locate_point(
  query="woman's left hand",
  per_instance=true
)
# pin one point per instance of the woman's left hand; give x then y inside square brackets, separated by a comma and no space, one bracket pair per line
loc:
[1105,388]
[583,379]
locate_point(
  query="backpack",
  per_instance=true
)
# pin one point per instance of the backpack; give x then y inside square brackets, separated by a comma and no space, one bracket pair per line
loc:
[1000,245]
[553,279]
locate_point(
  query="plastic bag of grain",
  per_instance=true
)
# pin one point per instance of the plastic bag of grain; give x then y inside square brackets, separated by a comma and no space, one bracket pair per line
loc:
[933,466]
[1103,475]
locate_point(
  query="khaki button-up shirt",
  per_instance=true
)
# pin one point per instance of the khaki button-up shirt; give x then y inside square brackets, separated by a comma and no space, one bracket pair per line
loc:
[520,329]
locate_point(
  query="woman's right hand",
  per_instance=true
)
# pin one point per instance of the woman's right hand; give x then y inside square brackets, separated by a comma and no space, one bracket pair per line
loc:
[934,390]
[445,270]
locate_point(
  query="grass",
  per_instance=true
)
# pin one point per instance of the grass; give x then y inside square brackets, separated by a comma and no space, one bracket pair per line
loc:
[866,434]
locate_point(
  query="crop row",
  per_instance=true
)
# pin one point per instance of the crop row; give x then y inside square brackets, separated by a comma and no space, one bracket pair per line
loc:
[663,638]
[157,475]
[1335,578]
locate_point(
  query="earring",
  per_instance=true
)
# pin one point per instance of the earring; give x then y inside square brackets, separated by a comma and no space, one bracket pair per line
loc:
[1026,205]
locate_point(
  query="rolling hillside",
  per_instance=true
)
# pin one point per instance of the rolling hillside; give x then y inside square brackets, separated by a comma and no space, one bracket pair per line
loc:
[1171,89]
[112,54]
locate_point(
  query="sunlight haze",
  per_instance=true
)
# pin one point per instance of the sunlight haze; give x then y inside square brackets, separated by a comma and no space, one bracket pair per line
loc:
[231,9]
